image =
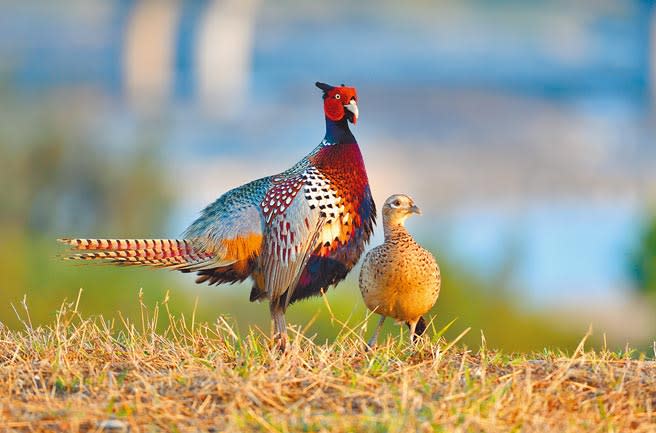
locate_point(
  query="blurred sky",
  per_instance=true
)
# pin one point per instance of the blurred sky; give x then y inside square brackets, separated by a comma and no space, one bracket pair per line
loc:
[525,130]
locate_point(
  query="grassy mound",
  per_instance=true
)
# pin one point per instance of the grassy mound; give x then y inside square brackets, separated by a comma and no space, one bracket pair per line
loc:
[90,374]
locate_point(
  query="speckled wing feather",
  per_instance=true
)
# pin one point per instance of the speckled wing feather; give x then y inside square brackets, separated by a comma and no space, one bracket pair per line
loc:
[292,231]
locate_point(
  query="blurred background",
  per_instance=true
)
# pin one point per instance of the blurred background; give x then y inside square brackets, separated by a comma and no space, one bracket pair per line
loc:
[524,130]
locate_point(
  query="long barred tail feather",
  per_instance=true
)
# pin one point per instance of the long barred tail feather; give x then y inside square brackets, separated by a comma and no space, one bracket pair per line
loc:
[164,253]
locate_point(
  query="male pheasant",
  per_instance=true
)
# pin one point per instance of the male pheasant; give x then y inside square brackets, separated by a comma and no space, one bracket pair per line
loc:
[295,233]
[399,278]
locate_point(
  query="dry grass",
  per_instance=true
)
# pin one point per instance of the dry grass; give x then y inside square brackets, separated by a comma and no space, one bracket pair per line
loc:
[87,374]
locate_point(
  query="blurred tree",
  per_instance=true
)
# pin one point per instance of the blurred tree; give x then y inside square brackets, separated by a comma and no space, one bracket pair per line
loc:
[56,182]
[643,259]
[60,178]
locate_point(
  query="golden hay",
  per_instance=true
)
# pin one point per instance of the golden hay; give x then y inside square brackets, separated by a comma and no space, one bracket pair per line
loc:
[88,374]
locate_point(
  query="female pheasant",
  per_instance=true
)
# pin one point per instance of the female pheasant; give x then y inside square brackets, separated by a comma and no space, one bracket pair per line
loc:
[399,278]
[295,233]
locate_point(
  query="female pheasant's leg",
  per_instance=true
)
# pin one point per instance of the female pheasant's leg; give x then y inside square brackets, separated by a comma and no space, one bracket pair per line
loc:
[413,327]
[372,341]
[280,327]
[418,330]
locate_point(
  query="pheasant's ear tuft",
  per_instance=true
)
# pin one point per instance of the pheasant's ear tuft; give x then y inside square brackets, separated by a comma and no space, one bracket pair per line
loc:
[323,86]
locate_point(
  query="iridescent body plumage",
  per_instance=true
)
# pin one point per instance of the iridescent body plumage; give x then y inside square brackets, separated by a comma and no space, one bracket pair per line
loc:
[295,233]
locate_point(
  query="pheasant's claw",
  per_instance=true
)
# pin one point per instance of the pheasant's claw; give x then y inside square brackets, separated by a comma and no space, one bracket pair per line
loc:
[280,342]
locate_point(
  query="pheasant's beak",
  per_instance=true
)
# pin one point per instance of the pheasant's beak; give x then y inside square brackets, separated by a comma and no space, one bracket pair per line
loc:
[415,209]
[353,108]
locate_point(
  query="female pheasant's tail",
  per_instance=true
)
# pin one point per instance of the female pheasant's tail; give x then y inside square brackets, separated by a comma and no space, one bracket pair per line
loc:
[161,253]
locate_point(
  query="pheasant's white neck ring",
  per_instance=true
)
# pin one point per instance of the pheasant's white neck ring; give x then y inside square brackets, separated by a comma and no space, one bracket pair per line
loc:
[325,143]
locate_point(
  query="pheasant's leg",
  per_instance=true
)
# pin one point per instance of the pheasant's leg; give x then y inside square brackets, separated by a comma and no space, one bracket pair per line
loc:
[413,326]
[372,341]
[417,329]
[280,327]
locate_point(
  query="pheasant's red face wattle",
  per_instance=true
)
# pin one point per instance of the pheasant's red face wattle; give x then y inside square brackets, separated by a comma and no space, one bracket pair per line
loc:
[338,100]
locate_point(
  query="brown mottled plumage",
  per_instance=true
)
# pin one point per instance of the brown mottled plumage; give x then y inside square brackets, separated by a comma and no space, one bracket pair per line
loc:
[399,279]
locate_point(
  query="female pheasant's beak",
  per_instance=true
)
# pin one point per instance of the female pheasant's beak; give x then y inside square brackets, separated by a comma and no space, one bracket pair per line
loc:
[415,209]
[352,108]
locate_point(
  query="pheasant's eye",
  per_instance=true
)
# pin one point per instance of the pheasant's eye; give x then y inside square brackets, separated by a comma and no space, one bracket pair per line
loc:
[397,203]
[338,96]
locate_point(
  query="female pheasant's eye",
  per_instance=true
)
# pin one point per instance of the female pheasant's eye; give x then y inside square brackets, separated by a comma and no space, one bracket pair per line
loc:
[338,96]
[397,203]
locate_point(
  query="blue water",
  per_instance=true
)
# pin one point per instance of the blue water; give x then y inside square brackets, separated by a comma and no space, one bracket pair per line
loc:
[557,252]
